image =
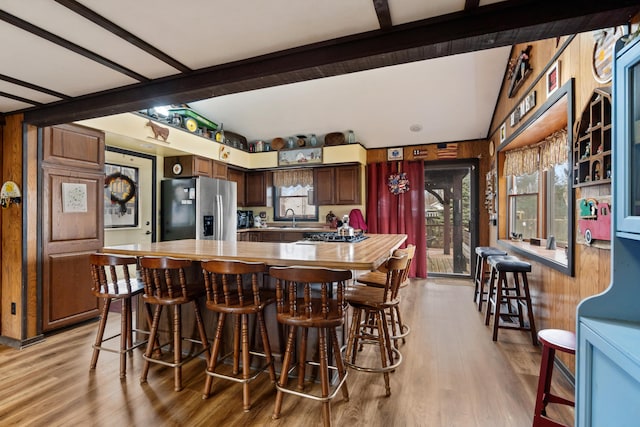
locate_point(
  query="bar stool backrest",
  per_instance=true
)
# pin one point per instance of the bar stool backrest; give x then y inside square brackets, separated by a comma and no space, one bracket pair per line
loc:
[108,279]
[225,282]
[296,298]
[165,277]
[397,270]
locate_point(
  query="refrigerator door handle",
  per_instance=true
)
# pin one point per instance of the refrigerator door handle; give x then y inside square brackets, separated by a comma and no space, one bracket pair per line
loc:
[218,217]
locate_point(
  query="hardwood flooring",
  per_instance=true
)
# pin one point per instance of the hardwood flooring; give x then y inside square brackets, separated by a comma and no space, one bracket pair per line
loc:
[452,375]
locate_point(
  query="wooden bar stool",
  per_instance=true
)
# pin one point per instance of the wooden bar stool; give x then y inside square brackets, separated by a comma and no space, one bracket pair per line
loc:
[112,281]
[311,298]
[378,278]
[228,293]
[551,340]
[367,302]
[501,293]
[482,273]
[165,284]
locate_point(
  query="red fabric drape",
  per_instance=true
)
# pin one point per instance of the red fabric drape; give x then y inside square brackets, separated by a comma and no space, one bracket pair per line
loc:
[388,213]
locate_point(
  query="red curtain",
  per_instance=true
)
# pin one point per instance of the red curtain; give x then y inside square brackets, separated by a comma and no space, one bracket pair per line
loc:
[389,213]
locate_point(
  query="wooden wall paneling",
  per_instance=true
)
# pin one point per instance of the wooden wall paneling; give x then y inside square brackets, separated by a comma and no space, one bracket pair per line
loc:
[31,198]
[12,266]
[555,295]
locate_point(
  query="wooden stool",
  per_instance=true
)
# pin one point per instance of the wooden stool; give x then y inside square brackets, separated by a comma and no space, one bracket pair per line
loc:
[311,298]
[378,278]
[229,293]
[375,302]
[482,274]
[115,284]
[551,340]
[165,284]
[502,293]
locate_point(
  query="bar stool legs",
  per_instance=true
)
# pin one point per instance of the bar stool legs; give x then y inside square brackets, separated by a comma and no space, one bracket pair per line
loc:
[500,293]
[551,340]
[482,253]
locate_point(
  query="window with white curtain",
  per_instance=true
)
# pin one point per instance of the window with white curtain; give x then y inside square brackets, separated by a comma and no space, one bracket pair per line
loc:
[294,195]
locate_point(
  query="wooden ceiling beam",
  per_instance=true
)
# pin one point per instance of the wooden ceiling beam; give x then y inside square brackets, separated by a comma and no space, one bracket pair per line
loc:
[383,12]
[499,24]
[50,37]
[101,21]
[33,87]
[471,4]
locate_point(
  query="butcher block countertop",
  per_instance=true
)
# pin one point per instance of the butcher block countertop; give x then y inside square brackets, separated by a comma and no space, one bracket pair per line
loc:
[365,255]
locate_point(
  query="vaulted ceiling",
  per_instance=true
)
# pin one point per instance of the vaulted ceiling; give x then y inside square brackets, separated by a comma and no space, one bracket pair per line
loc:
[280,67]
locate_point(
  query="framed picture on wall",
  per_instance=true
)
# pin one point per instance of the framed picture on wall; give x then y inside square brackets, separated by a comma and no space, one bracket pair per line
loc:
[394,154]
[553,78]
[503,132]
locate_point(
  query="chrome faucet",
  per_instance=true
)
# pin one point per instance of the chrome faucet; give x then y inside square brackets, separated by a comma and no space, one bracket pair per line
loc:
[293,216]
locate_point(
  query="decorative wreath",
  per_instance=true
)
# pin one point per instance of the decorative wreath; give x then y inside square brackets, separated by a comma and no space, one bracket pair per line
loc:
[128,195]
[398,183]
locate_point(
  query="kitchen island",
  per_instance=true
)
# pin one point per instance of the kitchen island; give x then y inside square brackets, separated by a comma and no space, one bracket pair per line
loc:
[368,254]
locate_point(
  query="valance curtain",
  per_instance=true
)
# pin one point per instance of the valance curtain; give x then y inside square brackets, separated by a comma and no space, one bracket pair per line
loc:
[288,178]
[521,161]
[389,213]
[552,151]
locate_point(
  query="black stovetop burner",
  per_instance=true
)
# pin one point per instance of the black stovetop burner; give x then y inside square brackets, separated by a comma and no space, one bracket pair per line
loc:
[334,237]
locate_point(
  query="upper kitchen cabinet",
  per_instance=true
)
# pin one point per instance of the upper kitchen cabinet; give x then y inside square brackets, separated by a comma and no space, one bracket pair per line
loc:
[238,177]
[184,166]
[339,185]
[256,188]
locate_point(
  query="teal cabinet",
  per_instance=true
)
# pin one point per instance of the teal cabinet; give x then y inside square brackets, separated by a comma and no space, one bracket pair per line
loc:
[608,325]
[627,137]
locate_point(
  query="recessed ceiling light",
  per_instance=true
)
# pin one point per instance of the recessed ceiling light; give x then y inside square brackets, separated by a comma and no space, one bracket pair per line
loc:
[415,128]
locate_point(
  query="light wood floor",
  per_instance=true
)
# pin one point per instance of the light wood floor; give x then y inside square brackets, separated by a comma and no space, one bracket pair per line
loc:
[452,375]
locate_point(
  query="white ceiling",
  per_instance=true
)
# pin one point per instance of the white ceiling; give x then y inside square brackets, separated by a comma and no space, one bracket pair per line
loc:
[52,55]
[451,99]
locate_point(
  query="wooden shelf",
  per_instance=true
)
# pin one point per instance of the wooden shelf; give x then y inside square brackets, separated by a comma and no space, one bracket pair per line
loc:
[592,141]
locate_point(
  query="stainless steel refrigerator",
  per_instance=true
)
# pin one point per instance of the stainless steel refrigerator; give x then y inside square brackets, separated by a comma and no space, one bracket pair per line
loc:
[198,208]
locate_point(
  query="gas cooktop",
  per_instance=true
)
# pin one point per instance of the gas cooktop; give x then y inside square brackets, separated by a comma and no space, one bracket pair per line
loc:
[334,237]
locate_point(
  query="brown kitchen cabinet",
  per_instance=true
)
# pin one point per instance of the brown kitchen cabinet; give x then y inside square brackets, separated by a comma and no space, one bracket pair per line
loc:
[256,188]
[186,166]
[338,185]
[238,177]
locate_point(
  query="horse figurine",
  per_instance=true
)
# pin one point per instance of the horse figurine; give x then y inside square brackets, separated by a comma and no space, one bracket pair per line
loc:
[158,131]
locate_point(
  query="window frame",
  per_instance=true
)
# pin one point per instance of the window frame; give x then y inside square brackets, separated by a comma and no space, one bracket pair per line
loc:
[562,258]
[277,216]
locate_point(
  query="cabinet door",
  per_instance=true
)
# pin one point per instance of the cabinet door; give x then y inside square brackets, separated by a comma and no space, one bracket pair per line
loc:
[347,185]
[324,186]
[238,177]
[627,141]
[202,166]
[218,170]
[256,189]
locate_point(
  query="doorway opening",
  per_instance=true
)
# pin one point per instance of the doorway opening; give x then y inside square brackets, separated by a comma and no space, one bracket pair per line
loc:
[451,211]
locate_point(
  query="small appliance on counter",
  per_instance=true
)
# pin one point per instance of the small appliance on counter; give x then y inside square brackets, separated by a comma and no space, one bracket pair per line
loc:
[245,219]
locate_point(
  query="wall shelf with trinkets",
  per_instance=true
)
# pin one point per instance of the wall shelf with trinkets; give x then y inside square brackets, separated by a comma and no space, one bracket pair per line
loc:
[592,141]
